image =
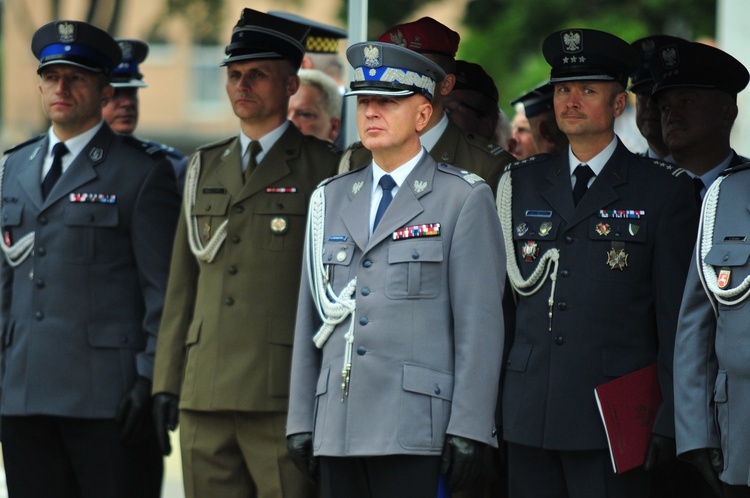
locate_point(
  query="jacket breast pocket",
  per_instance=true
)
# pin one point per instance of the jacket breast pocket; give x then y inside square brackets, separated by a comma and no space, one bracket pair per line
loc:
[279,221]
[731,256]
[94,236]
[618,249]
[12,215]
[337,257]
[209,211]
[425,407]
[414,269]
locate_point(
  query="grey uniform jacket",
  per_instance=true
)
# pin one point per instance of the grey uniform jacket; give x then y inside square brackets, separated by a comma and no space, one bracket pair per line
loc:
[712,351]
[428,326]
[623,257]
[80,315]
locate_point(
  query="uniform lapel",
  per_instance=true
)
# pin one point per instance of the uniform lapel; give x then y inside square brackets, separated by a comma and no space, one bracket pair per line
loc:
[30,177]
[82,170]
[559,193]
[275,164]
[229,172]
[356,216]
[406,205]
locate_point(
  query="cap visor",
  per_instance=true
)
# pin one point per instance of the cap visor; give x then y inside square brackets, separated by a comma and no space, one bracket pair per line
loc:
[134,83]
[387,93]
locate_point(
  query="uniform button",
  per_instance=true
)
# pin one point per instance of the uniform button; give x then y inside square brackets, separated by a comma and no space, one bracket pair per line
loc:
[40,284]
[124,339]
[39,315]
[235,239]
[232,270]
[568,239]
[367,263]
[361,350]
[562,306]
[564,273]
[239,209]
[415,255]
[437,389]
[41,251]
[229,301]
[618,234]
[494,432]
[43,220]
[364,320]
[208,208]
[726,257]
[559,340]
[365,291]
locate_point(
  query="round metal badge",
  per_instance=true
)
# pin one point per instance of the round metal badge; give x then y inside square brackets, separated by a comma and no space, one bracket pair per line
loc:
[279,225]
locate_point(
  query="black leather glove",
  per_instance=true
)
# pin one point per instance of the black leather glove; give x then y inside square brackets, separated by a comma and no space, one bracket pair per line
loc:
[300,448]
[661,449]
[165,419]
[133,412]
[462,461]
[709,462]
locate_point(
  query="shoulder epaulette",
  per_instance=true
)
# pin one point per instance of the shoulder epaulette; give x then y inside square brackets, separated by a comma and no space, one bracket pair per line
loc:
[529,161]
[670,168]
[324,144]
[137,143]
[218,143]
[471,178]
[167,149]
[735,169]
[24,144]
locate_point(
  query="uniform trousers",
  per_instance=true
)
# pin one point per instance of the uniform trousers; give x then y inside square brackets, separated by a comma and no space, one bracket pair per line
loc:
[390,476]
[540,473]
[239,455]
[62,457]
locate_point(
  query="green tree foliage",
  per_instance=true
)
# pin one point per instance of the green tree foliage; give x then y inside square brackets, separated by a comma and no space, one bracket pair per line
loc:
[505,36]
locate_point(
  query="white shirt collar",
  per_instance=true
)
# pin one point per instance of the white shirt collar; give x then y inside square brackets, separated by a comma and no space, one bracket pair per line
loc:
[75,146]
[266,141]
[597,162]
[430,138]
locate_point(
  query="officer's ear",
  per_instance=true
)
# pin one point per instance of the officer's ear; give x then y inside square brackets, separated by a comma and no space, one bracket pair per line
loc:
[424,113]
[619,101]
[447,84]
[107,93]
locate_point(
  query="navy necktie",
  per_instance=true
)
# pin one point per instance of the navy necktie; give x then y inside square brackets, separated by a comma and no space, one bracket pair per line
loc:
[55,172]
[386,183]
[699,186]
[583,174]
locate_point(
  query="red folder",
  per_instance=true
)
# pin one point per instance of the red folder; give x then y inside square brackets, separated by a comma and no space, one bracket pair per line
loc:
[628,407]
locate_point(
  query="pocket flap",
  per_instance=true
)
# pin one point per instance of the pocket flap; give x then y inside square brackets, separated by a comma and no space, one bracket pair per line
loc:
[518,358]
[116,337]
[12,215]
[281,204]
[91,215]
[414,251]
[194,333]
[338,253]
[322,387]
[732,254]
[211,205]
[428,381]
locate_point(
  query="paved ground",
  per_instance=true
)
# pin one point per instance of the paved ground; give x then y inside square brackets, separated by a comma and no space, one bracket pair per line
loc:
[172,473]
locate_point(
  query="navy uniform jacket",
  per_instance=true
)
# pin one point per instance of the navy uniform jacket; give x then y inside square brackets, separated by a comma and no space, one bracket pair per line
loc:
[428,326]
[712,353]
[80,315]
[225,342]
[623,257]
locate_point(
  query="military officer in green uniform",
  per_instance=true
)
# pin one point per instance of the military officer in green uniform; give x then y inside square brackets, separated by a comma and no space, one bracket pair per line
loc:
[442,138]
[225,354]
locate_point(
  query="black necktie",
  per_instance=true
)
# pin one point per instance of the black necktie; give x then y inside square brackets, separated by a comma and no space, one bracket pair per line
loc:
[54,173]
[253,150]
[699,186]
[386,183]
[583,174]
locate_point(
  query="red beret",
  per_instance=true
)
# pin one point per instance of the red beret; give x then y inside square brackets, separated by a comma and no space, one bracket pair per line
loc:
[425,35]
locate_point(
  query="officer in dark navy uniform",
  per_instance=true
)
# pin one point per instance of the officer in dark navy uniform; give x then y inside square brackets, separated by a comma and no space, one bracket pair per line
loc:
[121,111]
[88,219]
[696,89]
[598,244]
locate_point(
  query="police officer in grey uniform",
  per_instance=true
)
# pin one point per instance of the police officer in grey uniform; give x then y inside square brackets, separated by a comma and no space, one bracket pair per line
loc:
[711,367]
[399,326]
[121,111]
[598,243]
[88,218]
[442,138]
